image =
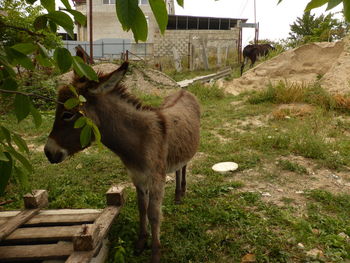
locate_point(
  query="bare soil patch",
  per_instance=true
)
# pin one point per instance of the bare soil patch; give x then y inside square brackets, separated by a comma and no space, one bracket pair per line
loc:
[286,185]
[327,62]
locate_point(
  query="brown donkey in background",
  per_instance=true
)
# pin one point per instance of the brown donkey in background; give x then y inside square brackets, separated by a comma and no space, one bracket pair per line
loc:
[150,141]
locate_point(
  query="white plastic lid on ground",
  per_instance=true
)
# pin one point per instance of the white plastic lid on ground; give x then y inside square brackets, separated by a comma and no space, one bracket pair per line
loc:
[225,167]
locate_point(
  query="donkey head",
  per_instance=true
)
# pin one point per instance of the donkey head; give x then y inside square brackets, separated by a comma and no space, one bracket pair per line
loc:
[64,139]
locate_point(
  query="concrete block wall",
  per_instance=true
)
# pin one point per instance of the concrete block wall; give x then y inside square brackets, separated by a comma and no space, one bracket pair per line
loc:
[182,39]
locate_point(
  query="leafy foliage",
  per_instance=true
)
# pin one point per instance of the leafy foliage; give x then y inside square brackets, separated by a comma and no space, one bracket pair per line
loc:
[309,28]
[330,5]
[27,35]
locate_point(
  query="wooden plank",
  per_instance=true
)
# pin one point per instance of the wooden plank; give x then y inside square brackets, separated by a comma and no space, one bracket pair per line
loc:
[54,217]
[43,234]
[54,212]
[36,199]
[86,237]
[80,257]
[36,252]
[94,236]
[11,225]
[115,196]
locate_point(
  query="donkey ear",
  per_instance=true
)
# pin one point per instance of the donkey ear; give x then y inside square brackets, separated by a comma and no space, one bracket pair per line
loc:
[112,80]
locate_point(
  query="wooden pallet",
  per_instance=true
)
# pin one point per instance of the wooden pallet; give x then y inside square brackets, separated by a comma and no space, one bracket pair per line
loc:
[71,235]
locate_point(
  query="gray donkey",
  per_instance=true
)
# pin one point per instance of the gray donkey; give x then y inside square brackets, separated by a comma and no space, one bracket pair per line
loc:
[150,141]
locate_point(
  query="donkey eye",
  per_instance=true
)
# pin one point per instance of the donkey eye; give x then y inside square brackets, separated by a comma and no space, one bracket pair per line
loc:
[67,116]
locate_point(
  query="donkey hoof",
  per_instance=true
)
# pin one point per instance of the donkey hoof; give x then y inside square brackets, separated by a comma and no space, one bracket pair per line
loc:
[140,245]
[178,200]
[155,256]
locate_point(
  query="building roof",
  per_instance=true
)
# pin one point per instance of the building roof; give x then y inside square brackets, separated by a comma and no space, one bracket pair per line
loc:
[177,22]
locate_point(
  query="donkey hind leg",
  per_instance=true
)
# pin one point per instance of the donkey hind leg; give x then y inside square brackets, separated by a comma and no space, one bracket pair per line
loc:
[180,188]
[245,61]
[253,60]
[154,216]
[183,181]
[142,201]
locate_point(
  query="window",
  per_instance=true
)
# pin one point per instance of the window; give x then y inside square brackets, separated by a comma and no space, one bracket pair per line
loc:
[143,2]
[108,2]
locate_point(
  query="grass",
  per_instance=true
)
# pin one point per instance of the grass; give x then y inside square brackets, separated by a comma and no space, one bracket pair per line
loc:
[220,219]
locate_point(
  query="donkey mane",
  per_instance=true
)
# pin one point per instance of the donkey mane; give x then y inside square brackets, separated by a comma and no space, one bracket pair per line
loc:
[82,85]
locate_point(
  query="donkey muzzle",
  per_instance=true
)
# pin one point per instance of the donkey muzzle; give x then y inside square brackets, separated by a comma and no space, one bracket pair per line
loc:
[53,152]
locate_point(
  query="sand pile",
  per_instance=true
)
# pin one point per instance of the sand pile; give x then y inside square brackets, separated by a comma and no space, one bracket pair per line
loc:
[327,62]
[138,78]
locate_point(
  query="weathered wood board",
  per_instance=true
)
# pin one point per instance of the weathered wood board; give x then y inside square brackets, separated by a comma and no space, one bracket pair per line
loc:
[66,235]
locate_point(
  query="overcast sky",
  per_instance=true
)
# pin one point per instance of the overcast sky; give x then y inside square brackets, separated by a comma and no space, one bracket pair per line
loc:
[274,19]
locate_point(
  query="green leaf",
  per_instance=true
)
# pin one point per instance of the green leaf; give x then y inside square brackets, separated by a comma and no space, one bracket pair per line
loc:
[160,12]
[20,58]
[85,136]
[66,4]
[48,4]
[82,98]
[71,103]
[21,144]
[22,106]
[346,4]
[79,123]
[333,3]
[63,59]
[43,50]
[45,62]
[84,70]
[53,26]
[97,133]
[31,1]
[24,161]
[72,89]
[25,48]
[22,177]
[9,84]
[181,2]
[126,12]
[5,173]
[79,17]
[63,20]
[140,27]
[314,4]
[5,133]
[40,22]
[36,116]
[3,156]
[7,68]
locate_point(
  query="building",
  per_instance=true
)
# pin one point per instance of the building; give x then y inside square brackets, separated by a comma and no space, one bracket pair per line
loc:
[187,38]
[105,22]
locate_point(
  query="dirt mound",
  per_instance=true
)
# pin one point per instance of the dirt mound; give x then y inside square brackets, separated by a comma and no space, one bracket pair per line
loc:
[327,62]
[139,78]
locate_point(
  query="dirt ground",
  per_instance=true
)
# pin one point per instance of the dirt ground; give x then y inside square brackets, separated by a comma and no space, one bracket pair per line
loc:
[327,62]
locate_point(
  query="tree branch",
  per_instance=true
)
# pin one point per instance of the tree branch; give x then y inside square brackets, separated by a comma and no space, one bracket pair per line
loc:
[29,95]
[2,24]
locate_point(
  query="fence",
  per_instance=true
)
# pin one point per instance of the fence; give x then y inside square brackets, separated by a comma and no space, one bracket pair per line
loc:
[112,49]
[181,52]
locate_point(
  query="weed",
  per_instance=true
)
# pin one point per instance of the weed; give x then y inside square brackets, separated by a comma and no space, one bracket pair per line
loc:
[206,93]
[293,167]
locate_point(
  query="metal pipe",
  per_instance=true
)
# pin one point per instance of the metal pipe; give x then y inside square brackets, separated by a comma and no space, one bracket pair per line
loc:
[91,35]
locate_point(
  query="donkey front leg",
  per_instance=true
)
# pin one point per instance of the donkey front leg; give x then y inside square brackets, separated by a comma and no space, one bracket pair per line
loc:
[154,216]
[142,201]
